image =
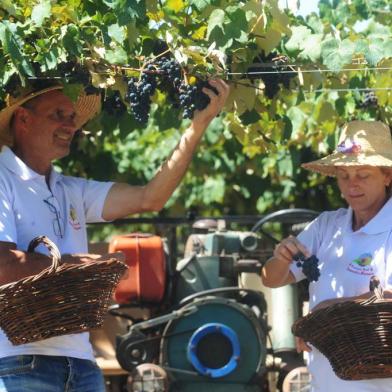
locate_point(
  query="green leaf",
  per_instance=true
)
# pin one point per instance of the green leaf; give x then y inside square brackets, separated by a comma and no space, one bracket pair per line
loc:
[237,24]
[336,54]
[8,6]
[41,12]
[201,4]
[280,21]
[311,47]
[378,49]
[50,59]
[249,117]
[73,91]
[11,46]
[132,34]
[268,40]
[215,21]
[299,34]
[117,33]
[175,5]
[304,41]
[127,10]
[71,39]
[298,119]
[116,56]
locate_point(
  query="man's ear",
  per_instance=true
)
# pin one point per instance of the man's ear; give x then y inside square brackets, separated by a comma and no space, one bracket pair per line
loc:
[21,115]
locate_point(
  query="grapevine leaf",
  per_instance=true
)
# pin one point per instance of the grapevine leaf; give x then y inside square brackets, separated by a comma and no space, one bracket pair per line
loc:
[215,22]
[280,21]
[237,23]
[298,119]
[127,10]
[241,98]
[73,91]
[378,49]
[269,40]
[132,34]
[117,33]
[249,117]
[337,53]
[201,4]
[311,47]
[71,39]
[305,42]
[9,7]
[116,56]
[175,5]
[50,59]
[11,46]
[299,34]
[41,12]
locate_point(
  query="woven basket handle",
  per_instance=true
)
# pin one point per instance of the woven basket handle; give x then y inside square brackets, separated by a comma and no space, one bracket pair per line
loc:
[374,285]
[52,248]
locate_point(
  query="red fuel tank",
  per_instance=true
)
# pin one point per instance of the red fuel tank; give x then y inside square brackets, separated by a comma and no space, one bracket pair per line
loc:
[146,260]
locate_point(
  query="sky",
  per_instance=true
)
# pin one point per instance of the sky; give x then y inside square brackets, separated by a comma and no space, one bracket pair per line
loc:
[305,8]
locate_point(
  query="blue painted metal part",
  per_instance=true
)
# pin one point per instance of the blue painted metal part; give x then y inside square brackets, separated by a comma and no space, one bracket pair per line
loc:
[199,334]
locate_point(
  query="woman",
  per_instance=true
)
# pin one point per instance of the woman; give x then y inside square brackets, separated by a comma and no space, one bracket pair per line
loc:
[352,244]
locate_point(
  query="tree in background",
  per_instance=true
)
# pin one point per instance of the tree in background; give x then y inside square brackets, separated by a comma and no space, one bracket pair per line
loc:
[294,82]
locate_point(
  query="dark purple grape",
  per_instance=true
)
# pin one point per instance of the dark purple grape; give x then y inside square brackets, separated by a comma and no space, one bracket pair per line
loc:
[309,266]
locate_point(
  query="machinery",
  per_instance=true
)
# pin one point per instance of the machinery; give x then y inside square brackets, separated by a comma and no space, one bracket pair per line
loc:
[214,334]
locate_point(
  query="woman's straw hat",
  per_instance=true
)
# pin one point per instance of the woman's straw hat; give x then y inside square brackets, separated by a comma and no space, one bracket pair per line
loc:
[86,107]
[361,143]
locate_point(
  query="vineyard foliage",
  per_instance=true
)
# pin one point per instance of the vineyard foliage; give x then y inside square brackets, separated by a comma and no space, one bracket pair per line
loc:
[294,82]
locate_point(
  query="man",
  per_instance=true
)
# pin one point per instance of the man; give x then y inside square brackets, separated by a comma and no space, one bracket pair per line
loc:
[36,200]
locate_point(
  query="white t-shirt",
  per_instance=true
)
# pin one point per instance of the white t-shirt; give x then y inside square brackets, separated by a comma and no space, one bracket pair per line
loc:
[347,260]
[29,208]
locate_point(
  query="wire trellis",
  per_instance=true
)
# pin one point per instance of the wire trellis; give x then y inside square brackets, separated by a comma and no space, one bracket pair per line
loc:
[304,70]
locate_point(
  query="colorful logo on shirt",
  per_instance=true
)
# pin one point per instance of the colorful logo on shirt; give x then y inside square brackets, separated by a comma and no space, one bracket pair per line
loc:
[362,265]
[73,218]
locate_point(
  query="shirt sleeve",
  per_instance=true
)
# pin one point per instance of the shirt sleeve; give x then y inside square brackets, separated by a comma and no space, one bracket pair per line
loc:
[93,194]
[7,218]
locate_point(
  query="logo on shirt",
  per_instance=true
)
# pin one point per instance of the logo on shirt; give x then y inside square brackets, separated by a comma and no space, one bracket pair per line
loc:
[362,265]
[73,218]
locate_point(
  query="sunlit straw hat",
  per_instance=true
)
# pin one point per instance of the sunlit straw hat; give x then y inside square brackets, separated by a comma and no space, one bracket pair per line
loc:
[361,143]
[86,107]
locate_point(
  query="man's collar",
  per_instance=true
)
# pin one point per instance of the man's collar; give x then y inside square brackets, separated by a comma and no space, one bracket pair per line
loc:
[17,166]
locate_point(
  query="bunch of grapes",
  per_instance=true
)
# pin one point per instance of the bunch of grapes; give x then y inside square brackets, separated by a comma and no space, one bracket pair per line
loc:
[170,79]
[165,74]
[309,266]
[369,100]
[114,105]
[192,97]
[140,92]
[272,81]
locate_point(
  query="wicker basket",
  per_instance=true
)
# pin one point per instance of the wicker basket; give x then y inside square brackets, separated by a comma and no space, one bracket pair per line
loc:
[355,336]
[62,299]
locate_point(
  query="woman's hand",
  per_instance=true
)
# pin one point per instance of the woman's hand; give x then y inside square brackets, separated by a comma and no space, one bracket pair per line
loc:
[301,345]
[288,248]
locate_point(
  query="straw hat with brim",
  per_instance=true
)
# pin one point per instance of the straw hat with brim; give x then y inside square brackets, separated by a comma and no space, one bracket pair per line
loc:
[86,107]
[361,143]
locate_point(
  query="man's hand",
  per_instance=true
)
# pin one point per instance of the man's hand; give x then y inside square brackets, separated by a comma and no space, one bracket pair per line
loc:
[79,258]
[82,258]
[203,117]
